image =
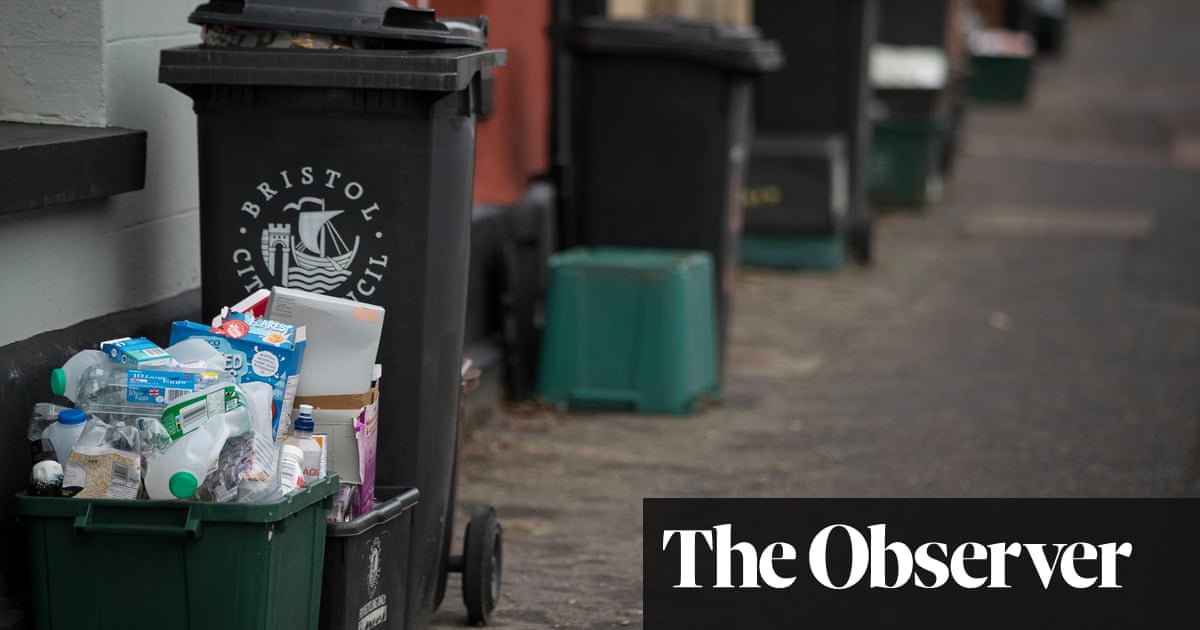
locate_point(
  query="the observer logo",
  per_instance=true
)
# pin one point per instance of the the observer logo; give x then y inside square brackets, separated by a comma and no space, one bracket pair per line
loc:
[933,564]
[888,564]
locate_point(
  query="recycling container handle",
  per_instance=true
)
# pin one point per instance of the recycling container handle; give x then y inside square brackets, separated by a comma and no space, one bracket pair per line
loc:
[84,523]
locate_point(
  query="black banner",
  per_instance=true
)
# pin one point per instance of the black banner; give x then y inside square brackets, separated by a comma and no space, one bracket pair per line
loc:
[926,563]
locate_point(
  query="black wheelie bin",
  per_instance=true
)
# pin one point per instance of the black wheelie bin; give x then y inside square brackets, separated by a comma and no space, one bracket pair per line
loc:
[337,147]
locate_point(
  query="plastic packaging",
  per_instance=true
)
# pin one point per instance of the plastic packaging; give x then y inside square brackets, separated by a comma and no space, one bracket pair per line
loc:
[313,464]
[177,472]
[65,432]
[44,414]
[124,393]
[64,381]
[198,354]
[106,462]
[291,469]
[46,477]
[248,465]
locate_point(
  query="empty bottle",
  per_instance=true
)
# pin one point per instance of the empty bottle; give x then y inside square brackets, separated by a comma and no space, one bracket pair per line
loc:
[178,471]
[291,469]
[46,478]
[302,438]
[64,381]
[64,433]
[126,393]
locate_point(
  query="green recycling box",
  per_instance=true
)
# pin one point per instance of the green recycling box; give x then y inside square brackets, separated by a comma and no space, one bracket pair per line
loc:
[630,330]
[149,565]
[904,157]
[794,252]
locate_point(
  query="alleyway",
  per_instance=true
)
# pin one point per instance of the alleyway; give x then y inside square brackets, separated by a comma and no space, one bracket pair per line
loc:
[1037,333]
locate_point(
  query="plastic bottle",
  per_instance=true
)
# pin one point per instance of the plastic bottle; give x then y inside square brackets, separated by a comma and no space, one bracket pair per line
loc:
[64,381]
[195,352]
[178,471]
[302,428]
[46,478]
[64,433]
[291,469]
[106,389]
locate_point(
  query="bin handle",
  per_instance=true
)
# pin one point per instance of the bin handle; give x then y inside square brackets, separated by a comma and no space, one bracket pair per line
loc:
[190,528]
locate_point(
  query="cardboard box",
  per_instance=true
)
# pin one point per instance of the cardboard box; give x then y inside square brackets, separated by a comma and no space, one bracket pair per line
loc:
[262,351]
[135,351]
[351,424]
[343,339]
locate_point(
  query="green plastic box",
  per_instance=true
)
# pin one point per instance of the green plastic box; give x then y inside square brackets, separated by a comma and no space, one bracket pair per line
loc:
[794,252]
[151,565]
[630,330]
[1000,79]
[904,160]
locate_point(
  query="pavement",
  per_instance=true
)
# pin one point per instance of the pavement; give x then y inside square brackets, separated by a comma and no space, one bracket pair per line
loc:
[1034,334]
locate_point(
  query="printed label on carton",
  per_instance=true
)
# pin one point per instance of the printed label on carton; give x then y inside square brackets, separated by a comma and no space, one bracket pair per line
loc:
[137,351]
[157,387]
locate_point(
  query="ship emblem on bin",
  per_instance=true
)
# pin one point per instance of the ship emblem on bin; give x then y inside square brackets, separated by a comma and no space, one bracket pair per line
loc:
[316,230]
[316,259]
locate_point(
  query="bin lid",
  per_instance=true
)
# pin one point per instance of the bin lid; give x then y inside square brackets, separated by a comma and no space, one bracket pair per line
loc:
[740,49]
[449,70]
[391,20]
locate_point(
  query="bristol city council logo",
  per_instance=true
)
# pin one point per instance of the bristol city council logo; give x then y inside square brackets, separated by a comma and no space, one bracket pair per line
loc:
[313,229]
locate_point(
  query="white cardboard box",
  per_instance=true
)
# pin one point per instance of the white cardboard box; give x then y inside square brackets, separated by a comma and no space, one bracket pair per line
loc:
[343,339]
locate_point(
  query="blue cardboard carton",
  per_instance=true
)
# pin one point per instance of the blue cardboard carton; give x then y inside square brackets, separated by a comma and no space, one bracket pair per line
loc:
[256,350]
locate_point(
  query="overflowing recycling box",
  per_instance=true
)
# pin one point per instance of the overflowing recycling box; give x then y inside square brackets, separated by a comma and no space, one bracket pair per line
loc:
[99,564]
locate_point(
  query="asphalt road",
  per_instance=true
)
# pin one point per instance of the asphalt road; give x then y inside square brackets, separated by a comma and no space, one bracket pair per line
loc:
[1035,334]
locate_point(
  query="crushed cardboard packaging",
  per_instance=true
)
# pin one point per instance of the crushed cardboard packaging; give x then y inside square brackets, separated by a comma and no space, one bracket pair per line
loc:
[351,422]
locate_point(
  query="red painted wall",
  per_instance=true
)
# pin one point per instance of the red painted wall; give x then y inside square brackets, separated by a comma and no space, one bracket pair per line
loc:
[513,144]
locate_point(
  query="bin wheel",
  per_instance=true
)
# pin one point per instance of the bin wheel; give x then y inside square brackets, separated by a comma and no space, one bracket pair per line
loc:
[482,564]
[861,243]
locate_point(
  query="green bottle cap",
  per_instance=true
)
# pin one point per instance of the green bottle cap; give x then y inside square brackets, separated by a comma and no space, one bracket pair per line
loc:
[58,381]
[183,485]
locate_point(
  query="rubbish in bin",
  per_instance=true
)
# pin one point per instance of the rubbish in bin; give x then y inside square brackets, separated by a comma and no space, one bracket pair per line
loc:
[350,424]
[45,480]
[64,381]
[194,352]
[105,463]
[178,471]
[64,432]
[135,351]
[256,349]
[313,462]
[115,390]
[345,339]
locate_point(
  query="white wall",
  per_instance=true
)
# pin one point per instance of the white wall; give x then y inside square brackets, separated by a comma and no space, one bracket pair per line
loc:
[95,62]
